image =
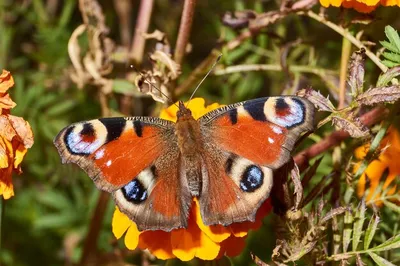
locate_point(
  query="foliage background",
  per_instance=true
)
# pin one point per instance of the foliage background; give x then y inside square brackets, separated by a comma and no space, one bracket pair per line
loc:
[48,219]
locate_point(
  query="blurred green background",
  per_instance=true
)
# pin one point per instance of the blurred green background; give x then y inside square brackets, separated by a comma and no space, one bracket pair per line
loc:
[46,221]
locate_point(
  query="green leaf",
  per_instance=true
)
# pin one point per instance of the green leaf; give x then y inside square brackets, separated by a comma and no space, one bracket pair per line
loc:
[393,37]
[391,243]
[54,200]
[386,77]
[370,232]
[61,108]
[392,206]
[358,224]
[124,87]
[392,56]
[389,63]
[388,45]
[379,260]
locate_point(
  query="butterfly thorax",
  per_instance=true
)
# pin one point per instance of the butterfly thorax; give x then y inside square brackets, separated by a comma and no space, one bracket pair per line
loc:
[190,143]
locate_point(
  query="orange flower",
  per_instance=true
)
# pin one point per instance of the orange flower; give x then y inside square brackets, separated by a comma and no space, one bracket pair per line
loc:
[386,166]
[197,240]
[363,6]
[15,138]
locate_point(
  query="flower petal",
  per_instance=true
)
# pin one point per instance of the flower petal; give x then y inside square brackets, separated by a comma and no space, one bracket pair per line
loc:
[158,243]
[132,237]
[216,233]
[120,223]
[207,249]
[6,81]
[19,155]
[183,245]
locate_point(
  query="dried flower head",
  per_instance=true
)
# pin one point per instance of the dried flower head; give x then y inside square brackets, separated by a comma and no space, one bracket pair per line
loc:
[15,138]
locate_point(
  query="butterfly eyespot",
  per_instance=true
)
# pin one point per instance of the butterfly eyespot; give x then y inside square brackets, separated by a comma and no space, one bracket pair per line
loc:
[81,139]
[252,178]
[134,192]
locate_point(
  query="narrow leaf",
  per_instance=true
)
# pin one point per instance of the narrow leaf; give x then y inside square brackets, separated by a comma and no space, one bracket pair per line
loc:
[379,260]
[321,102]
[392,57]
[388,45]
[358,224]
[348,220]
[389,63]
[370,232]
[391,243]
[298,188]
[373,96]
[352,125]
[356,71]
[392,206]
[386,77]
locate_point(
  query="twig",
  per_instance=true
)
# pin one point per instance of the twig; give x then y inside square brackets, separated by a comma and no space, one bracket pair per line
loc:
[375,115]
[142,25]
[198,73]
[346,34]
[123,9]
[184,30]
[346,48]
[272,67]
[94,229]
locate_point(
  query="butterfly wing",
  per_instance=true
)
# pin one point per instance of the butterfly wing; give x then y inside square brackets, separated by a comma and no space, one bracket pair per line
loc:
[244,143]
[136,159]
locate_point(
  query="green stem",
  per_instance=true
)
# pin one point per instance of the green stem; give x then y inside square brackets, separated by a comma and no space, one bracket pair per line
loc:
[271,67]
[346,34]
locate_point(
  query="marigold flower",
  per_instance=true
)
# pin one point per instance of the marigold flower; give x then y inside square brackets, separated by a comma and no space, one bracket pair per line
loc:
[385,166]
[197,240]
[15,137]
[363,6]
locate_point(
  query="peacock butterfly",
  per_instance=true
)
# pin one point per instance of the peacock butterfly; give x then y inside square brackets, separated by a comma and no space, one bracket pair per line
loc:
[154,167]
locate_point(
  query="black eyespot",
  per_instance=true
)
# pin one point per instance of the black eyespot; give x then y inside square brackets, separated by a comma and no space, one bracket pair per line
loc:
[252,179]
[134,192]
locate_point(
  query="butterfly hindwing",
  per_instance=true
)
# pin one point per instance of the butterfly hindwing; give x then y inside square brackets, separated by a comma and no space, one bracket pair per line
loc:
[135,159]
[247,141]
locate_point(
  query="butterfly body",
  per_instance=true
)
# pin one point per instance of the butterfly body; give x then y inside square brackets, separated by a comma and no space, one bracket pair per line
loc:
[154,167]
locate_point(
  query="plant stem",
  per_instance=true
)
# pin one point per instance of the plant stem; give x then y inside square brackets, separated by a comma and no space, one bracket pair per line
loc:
[271,67]
[184,30]
[198,72]
[90,245]
[344,60]
[346,34]
[123,8]
[142,25]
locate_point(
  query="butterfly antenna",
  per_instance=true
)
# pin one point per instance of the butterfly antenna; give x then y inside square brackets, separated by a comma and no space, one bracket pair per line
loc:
[151,84]
[208,73]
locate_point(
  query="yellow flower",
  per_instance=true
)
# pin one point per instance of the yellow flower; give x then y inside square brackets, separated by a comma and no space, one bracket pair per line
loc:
[363,6]
[15,138]
[197,240]
[386,165]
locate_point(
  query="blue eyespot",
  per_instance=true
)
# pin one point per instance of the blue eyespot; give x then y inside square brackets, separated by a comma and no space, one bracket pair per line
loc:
[252,179]
[134,191]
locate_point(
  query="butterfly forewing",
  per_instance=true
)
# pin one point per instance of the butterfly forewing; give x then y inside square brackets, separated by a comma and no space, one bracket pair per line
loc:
[247,141]
[135,159]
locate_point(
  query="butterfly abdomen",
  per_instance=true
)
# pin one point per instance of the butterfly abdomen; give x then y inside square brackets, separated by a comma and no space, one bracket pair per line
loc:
[190,143]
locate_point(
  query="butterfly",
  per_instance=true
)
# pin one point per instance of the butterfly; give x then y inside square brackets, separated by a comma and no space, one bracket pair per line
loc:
[154,167]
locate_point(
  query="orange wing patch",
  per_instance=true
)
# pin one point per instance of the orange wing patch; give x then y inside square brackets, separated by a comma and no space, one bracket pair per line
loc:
[258,141]
[120,161]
